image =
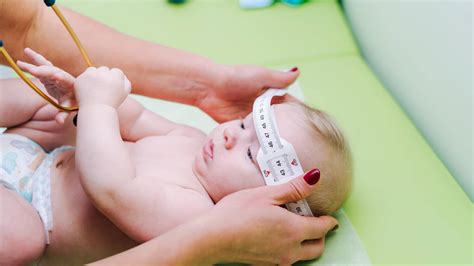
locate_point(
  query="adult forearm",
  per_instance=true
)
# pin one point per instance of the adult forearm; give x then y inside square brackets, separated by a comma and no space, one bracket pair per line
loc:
[193,243]
[154,70]
[262,232]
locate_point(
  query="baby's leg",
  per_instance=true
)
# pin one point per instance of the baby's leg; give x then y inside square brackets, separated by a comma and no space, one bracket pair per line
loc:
[22,237]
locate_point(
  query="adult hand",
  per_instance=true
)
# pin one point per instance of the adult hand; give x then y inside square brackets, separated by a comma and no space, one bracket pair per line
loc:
[255,229]
[234,97]
[248,226]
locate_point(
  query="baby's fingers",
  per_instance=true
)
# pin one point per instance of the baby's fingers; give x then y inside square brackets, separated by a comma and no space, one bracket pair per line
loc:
[127,85]
[37,58]
[64,79]
[27,67]
[61,117]
[37,71]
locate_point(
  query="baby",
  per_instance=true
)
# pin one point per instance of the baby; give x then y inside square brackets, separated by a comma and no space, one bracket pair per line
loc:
[163,180]
[147,174]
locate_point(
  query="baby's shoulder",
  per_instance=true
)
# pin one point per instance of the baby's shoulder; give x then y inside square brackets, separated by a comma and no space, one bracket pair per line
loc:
[186,198]
[171,140]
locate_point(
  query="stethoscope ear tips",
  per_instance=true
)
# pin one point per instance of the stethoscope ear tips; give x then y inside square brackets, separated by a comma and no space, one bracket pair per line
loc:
[49,2]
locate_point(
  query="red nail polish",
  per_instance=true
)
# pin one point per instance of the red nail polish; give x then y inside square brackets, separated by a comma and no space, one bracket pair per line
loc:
[312,177]
[294,69]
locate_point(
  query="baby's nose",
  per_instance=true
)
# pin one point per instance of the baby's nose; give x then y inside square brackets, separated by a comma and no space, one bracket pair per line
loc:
[230,138]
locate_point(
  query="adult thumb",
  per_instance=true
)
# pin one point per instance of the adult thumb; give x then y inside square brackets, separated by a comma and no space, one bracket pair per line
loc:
[297,189]
[281,79]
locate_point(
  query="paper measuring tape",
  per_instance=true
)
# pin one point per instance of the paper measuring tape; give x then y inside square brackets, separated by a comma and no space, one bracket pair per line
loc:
[276,157]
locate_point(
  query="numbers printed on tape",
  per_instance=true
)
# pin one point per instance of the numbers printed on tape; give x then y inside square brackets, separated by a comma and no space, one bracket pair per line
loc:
[276,157]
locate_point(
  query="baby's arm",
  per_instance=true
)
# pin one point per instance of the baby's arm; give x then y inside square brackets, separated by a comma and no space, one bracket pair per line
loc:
[25,113]
[137,122]
[107,171]
[102,158]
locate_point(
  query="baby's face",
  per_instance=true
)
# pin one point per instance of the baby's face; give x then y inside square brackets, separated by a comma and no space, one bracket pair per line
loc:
[227,162]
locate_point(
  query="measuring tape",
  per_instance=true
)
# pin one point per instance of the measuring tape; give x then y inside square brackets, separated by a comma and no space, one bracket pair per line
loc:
[276,157]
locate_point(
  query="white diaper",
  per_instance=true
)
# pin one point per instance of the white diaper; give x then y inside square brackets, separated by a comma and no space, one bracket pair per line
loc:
[26,168]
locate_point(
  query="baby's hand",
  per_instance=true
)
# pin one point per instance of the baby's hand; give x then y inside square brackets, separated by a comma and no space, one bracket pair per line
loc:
[102,86]
[58,83]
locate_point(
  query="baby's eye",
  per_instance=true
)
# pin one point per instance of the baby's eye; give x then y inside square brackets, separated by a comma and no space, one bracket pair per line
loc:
[249,154]
[242,124]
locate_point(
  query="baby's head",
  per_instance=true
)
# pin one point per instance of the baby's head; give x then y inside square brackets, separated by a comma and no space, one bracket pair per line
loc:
[228,163]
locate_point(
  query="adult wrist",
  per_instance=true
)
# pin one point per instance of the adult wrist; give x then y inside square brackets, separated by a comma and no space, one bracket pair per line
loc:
[218,76]
[210,245]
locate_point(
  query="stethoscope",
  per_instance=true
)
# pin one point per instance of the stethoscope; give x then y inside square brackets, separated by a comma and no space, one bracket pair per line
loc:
[22,75]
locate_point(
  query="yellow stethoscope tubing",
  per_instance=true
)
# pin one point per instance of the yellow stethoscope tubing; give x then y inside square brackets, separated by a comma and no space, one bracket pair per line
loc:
[22,75]
[73,35]
[32,85]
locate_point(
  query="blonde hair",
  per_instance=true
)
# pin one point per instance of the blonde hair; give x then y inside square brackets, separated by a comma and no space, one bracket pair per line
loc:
[336,167]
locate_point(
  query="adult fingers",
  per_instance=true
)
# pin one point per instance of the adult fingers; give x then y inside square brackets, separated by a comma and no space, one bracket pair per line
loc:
[37,58]
[317,227]
[280,79]
[311,249]
[295,190]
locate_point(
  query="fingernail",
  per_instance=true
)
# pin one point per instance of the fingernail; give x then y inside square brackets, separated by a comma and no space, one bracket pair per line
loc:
[335,228]
[294,69]
[74,120]
[312,177]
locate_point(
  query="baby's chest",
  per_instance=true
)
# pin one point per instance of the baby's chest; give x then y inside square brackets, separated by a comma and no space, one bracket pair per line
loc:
[168,159]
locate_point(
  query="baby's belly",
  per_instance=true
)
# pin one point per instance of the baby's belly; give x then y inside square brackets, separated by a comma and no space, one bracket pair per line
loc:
[80,233]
